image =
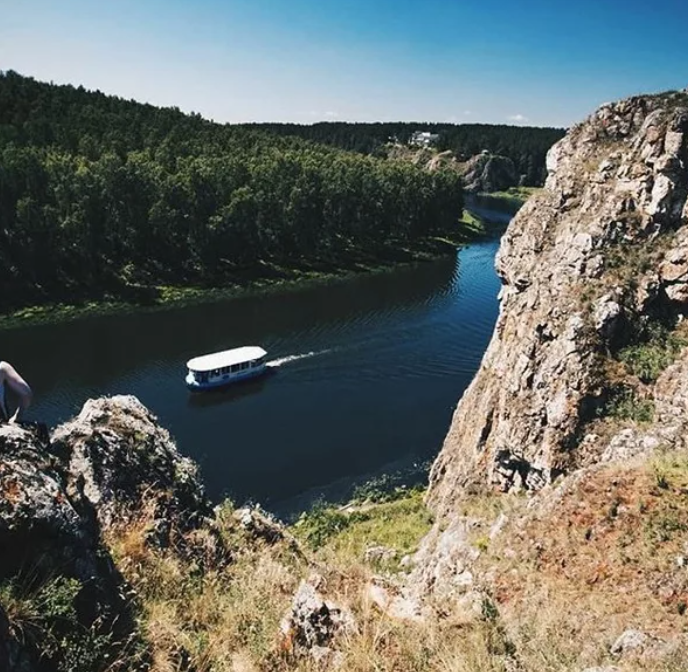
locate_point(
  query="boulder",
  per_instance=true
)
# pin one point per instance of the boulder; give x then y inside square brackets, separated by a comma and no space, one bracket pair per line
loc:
[312,623]
[121,459]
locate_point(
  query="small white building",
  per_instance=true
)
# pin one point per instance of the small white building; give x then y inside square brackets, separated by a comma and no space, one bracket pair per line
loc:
[423,138]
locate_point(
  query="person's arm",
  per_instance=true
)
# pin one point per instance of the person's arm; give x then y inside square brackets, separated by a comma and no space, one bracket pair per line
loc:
[18,385]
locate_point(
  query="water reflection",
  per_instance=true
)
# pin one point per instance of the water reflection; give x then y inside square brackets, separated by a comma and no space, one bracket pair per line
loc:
[227,395]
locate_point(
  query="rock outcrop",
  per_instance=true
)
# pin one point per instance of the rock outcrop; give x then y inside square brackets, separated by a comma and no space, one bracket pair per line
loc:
[484,172]
[487,172]
[123,462]
[312,624]
[599,253]
[112,465]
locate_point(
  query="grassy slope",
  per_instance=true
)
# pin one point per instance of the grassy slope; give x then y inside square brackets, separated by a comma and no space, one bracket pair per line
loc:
[565,581]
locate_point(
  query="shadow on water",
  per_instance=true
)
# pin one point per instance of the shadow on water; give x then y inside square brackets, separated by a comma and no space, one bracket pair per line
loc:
[493,210]
[230,393]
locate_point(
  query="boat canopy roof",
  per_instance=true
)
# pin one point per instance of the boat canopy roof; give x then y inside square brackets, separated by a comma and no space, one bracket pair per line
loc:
[218,360]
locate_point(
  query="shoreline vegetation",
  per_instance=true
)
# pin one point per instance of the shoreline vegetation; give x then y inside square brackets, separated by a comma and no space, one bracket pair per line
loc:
[514,196]
[265,277]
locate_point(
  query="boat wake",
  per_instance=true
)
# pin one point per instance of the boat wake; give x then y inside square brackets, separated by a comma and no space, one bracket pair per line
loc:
[294,358]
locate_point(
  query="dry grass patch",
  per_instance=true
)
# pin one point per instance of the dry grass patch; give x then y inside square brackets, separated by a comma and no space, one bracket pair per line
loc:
[207,619]
[606,556]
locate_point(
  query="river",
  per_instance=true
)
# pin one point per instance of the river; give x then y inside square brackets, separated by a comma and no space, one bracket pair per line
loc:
[367,374]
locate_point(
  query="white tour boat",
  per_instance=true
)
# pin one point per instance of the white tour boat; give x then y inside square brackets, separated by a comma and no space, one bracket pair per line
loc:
[223,368]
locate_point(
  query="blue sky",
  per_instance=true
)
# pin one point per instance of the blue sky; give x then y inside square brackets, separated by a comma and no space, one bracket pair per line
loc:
[527,61]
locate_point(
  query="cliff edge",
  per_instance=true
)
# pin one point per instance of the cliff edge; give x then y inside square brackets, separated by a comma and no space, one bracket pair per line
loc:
[559,492]
[587,266]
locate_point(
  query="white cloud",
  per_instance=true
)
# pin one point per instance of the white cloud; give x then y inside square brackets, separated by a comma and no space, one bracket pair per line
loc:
[467,113]
[330,114]
[517,118]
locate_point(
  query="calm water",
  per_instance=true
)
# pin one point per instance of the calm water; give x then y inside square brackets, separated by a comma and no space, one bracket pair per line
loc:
[369,372]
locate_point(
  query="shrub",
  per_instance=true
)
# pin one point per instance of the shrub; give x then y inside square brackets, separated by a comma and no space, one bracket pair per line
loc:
[323,522]
[647,360]
[624,404]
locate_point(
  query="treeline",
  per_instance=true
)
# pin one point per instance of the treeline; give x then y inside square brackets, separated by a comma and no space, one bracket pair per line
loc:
[99,194]
[525,146]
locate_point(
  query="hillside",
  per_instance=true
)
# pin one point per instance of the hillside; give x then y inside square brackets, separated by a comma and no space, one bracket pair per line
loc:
[525,146]
[106,198]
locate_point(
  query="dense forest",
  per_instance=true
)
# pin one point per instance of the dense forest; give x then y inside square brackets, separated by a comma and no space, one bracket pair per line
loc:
[99,195]
[525,146]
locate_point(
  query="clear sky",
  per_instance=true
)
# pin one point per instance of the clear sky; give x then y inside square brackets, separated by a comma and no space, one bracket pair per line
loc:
[539,62]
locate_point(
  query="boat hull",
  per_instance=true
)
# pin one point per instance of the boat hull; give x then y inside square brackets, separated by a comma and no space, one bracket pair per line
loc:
[225,380]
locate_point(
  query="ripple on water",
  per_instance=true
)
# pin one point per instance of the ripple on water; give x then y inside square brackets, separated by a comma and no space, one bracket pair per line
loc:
[364,373]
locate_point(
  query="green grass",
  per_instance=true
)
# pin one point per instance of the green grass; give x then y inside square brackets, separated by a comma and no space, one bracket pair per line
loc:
[398,525]
[471,221]
[625,404]
[45,620]
[648,359]
[520,194]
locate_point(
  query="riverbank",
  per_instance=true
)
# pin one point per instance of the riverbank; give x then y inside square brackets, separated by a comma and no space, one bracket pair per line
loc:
[514,197]
[265,277]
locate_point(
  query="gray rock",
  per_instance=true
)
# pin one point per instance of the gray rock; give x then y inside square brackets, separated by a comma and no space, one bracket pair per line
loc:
[379,554]
[606,316]
[120,456]
[406,562]
[487,172]
[518,423]
[444,561]
[313,622]
[630,641]
[395,601]
[603,246]
[259,524]
[42,519]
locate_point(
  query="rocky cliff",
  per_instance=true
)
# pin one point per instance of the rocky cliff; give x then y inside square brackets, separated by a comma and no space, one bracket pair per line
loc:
[586,266]
[484,172]
[487,172]
[559,492]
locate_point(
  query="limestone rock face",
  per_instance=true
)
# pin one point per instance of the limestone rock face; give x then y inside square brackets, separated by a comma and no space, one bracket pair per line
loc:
[42,518]
[120,459]
[489,172]
[603,246]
